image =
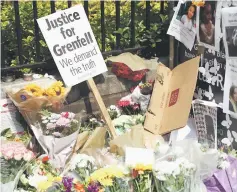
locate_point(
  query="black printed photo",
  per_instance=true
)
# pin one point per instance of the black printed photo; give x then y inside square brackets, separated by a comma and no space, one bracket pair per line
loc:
[233,99]
[231,39]
[187,15]
[207,23]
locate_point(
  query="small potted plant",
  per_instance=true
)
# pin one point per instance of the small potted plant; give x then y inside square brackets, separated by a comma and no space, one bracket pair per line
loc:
[27,74]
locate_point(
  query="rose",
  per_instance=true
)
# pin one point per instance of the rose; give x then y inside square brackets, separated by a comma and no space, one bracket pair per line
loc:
[28,156]
[18,156]
[9,154]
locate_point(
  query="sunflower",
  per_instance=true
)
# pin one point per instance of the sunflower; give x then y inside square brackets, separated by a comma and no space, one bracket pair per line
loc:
[34,89]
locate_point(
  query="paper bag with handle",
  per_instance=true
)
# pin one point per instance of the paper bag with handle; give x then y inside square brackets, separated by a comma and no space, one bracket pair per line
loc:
[172,95]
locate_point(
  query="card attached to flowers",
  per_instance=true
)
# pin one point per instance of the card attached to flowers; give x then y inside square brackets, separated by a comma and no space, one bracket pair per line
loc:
[135,156]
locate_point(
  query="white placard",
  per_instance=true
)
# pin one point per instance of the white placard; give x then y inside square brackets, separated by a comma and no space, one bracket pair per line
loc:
[134,156]
[72,44]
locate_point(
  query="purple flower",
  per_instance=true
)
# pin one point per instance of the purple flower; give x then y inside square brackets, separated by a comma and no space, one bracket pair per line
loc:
[67,182]
[93,187]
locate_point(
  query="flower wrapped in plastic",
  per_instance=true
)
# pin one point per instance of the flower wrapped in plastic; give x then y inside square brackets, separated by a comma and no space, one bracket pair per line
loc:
[141,178]
[57,134]
[14,159]
[32,98]
[80,167]
[174,175]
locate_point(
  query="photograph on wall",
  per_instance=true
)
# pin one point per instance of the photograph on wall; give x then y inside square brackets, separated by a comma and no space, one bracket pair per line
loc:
[205,116]
[229,28]
[211,77]
[230,91]
[183,24]
[208,25]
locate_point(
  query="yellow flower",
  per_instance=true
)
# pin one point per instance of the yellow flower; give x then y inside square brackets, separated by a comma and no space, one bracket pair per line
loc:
[44,185]
[106,175]
[34,89]
[141,167]
[56,89]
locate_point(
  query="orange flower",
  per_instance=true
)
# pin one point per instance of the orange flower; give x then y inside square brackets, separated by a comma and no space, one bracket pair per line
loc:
[45,159]
[79,187]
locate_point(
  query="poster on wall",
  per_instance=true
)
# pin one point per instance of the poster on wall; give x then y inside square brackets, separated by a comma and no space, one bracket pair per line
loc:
[186,54]
[183,24]
[205,116]
[211,77]
[229,28]
[226,128]
[230,92]
[208,25]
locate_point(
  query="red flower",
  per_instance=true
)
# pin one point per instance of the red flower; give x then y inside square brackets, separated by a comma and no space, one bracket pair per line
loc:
[134,173]
[66,115]
[123,103]
[45,159]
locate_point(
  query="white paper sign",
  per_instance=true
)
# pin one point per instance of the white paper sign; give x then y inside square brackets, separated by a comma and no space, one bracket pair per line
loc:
[134,156]
[72,44]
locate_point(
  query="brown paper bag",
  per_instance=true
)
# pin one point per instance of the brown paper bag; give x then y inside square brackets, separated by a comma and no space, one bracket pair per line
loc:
[171,99]
[134,138]
[81,139]
[96,140]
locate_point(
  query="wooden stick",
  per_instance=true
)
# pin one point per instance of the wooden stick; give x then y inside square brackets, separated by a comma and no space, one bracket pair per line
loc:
[102,106]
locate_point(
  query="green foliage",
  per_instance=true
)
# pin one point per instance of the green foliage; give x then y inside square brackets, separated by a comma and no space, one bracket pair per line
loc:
[25,70]
[43,8]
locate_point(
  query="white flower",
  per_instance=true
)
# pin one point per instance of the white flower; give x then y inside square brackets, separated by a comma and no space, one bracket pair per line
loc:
[45,121]
[81,161]
[28,156]
[112,107]
[223,155]
[35,179]
[44,117]
[160,176]
[24,180]
[93,120]
[226,141]
[163,149]
[18,156]
[224,164]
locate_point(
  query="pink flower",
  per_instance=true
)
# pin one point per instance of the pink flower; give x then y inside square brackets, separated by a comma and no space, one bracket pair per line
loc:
[62,121]
[9,154]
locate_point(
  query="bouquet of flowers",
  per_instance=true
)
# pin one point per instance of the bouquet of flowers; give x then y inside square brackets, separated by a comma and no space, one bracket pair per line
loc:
[129,108]
[23,137]
[142,178]
[40,170]
[174,175]
[14,158]
[33,98]
[57,134]
[109,179]
[114,112]
[123,71]
[81,166]
[124,123]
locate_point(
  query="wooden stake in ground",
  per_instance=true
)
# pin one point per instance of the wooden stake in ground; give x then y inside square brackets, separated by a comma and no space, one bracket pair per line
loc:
[102,106]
